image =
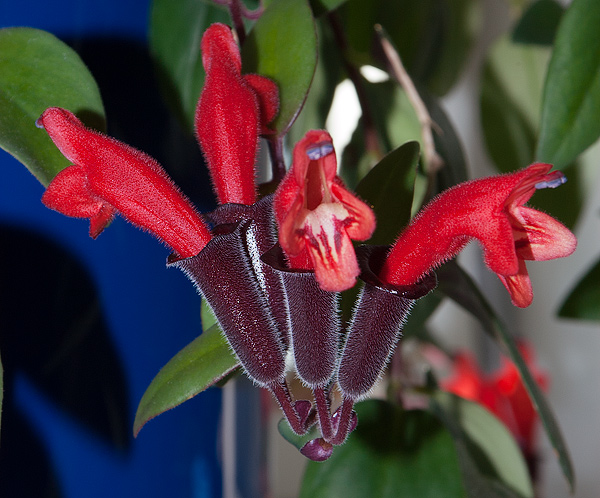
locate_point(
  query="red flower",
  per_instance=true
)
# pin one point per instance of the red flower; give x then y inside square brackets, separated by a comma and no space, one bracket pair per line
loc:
[502,392]
[232,111]
[492,211]
[108,176]
[318,216]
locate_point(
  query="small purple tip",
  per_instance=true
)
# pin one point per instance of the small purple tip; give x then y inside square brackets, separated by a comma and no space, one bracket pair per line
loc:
[553,180]
[317,450]
[319,150]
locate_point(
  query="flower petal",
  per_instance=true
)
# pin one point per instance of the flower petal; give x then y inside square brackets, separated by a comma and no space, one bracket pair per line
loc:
[540,237]
[330,248]
[519,286]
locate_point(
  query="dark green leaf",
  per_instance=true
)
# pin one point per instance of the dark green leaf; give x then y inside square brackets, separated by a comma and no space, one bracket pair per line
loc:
[447,145]
[176,28]
[285,51]
[458,286]
[509,137]
[388,187]
[38,71]
[328,74]
[198,366]
[571,103]
[583,301]
[539,23]
[491,461]
[391,454]
[433,37]
[321,7]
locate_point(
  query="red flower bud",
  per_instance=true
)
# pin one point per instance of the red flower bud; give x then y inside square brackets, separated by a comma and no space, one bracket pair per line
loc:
[108,176]
[232,111]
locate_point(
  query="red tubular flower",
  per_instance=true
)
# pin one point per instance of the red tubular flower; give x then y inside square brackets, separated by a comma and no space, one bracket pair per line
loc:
[108,176]
[232,111]
[492,211]
[502,392]
[318,216]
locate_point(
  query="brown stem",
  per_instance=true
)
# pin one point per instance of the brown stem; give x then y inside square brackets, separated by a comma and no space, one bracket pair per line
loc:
[345,419]
[282,395]
[433,161]
[323,411]
[277,163]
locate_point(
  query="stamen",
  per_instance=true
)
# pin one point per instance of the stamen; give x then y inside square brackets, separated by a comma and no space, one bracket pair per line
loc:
[553,180]
[319,150]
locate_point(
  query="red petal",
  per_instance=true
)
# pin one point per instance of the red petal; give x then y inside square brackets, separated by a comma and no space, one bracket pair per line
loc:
[540,237]
[119,176]
[69,194]
[330,248]
[519,286]
[268,98]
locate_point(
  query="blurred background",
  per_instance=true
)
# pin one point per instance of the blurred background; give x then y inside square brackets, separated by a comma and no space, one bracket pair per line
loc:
[85,325]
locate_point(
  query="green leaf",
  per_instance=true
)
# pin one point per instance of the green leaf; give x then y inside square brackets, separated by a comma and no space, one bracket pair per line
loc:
[286,52]
[493,460]
[391,454]
[571,103]
[509,137]
[433,37]
[320,7]
[38,71]
[198,366]
[584,298]
[329,72]
[388,187]
[539,23]
[176,29]
[459,287]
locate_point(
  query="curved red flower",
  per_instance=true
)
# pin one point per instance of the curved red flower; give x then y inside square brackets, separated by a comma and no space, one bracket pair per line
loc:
[108,176]
[492,211]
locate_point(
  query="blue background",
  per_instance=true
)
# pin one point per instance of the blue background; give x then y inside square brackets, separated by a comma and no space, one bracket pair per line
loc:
[150,312]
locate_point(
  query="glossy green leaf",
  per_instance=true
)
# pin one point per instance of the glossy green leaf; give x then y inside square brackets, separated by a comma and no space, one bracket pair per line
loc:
[176,28]
[198,366]
[38,71]
[494,460]
[391,454]
[583,301]
[388,187]
[459,287]
[509,137]
[286,52]
[328,74]
[539,23]
[571,103]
